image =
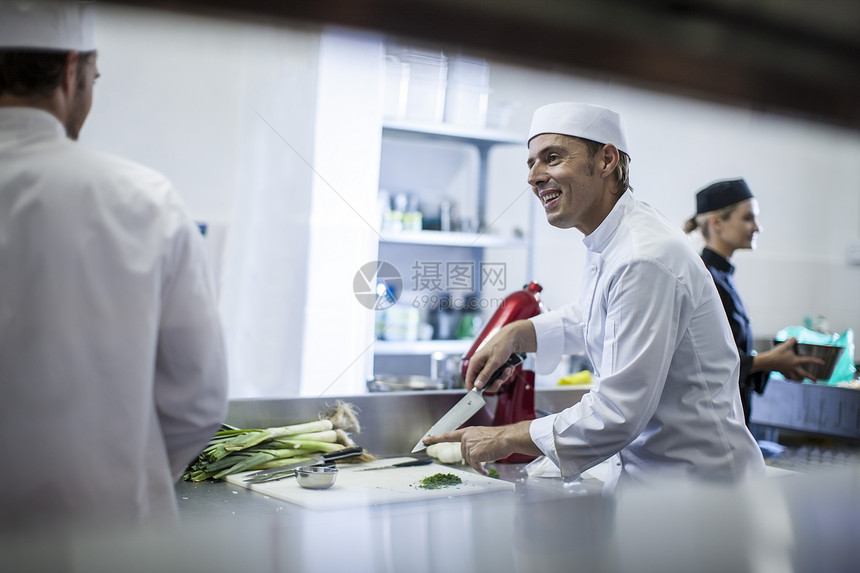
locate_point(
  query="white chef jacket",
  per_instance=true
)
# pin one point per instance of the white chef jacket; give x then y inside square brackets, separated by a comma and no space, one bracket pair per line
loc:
[665,397]
[112,363]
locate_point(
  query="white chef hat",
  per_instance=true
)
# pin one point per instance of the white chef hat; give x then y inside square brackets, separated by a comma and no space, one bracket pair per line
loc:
[60,26]
[581,120]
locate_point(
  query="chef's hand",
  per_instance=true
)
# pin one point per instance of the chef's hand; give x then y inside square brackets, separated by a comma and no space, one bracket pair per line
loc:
[783,359]
[517,336]
[480,444]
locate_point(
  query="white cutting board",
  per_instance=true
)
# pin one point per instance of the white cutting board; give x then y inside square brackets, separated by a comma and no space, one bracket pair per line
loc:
[354,488]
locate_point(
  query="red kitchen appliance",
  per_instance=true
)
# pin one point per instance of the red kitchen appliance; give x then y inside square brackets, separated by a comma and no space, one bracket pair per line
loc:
[516,398]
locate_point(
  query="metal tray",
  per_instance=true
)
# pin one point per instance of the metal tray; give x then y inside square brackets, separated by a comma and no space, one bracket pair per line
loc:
[383,383]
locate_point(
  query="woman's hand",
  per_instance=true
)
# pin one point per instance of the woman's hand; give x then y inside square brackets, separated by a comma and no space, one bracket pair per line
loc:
[784,359]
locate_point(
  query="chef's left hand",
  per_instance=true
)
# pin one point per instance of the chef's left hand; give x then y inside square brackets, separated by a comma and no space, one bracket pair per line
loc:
[480,444]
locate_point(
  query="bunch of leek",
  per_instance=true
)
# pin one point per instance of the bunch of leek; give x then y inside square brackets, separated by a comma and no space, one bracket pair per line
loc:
[232,451]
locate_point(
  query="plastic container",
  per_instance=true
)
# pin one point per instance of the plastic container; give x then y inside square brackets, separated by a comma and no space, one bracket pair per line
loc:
[499,114]
[470,71]
[396,87]
[401,323]
[426,78]
[467,92]
[466,105]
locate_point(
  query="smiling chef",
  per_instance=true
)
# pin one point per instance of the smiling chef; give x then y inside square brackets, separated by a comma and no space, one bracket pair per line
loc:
[665,402]
[112,364]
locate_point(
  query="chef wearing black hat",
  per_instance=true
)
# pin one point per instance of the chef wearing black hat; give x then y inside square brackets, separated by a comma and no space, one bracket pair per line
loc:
[727,217]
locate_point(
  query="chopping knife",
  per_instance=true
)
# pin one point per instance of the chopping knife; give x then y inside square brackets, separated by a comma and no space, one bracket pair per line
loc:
[280,472]
[467,406]
[409,464]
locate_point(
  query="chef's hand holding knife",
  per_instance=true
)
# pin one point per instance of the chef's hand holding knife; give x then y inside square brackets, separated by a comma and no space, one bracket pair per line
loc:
[516,337]
[480,444]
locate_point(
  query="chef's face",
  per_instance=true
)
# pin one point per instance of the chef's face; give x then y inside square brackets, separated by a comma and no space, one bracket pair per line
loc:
[740,230]
[81,99]
[564,178]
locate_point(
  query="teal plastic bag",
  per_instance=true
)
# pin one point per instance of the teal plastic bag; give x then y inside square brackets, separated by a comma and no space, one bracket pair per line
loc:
[845,370]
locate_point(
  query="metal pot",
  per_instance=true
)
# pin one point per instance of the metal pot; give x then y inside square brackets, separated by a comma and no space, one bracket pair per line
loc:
[446,369]
[385,383]
[830,355]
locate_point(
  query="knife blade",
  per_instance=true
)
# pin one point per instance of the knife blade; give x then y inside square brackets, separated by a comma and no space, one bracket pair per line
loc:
[409,464]
[468,405]
[280,472]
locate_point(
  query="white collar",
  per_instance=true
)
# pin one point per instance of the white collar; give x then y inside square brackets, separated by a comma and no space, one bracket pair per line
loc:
[600,237]
[30,118]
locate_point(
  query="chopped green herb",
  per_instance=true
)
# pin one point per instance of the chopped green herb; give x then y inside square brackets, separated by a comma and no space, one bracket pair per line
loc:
[438,481]
[493,473]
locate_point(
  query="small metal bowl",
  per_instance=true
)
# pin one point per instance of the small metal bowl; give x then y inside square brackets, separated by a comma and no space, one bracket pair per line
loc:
[316,477]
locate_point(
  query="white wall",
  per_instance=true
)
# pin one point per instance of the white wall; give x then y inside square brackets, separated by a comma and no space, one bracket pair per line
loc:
[164,100]
[338,330]
[266,262]
[225,110]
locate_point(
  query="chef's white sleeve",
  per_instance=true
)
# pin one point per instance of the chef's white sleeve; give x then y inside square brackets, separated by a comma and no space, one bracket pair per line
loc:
[191,366]
[646,311]
[557,332]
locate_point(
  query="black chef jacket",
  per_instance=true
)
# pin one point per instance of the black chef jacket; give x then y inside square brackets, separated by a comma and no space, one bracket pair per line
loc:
[722,271]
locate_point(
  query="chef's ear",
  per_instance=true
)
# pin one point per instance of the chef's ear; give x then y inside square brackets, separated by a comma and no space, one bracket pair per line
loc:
[608,159]
[70,74]
[715,222]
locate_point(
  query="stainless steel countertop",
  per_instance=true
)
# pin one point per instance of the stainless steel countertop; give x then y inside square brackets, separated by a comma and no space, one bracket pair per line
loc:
[797,523]
[219,499]
[544,525]
[497,531]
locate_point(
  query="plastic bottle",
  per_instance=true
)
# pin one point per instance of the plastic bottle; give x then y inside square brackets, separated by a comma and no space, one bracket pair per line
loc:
[445,217]
[444,318]
[470,319]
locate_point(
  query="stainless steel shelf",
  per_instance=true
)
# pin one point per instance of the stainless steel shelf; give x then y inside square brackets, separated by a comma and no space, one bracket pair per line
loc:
[421,347]
[479,137]
[439,238]
[483,140]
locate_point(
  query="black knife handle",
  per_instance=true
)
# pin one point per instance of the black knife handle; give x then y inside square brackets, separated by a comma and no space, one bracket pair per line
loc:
[344,453]
[516,358]
[418,462]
